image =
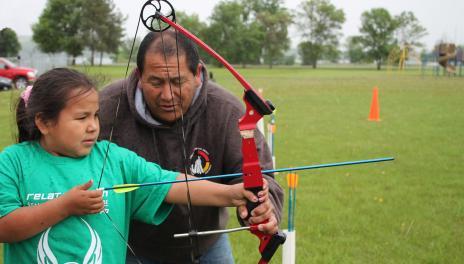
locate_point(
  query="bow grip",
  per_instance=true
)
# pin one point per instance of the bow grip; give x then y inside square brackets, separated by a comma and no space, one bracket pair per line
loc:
[252,205]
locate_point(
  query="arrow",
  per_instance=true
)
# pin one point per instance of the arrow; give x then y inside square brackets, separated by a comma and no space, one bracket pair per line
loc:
[124,188]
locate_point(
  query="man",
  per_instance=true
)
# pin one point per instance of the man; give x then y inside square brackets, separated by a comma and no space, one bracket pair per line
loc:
[168,105]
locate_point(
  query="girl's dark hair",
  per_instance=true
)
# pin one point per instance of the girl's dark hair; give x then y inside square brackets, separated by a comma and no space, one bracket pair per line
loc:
[185,45]
[49,95]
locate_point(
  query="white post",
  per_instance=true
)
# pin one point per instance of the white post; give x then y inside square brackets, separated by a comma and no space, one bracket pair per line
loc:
[271,127]
[289,249]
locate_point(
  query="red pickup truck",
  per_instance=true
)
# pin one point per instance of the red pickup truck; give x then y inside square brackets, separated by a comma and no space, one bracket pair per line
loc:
[21,76]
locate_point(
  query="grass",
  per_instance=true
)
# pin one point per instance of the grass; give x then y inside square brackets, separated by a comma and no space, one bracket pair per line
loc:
[407,211]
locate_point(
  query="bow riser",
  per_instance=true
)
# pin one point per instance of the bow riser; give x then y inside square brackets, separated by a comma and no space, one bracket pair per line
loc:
[251,168]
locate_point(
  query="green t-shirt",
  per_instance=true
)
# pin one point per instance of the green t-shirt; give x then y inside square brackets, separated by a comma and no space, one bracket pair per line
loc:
[29,176]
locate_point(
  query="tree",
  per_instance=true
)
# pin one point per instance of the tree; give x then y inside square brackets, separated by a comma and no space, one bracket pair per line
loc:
[409,31]
[112,32]
[332,54]
[192,22]
[377,34]
[276,40]
[194,25]
[223,34]
[273,20]
[233,35]
[59,29]
[319,23]
[251,48]
[9,44]
[307,52]
[102,27]
[111,38]
[124,50]
[71,25]
[355,50]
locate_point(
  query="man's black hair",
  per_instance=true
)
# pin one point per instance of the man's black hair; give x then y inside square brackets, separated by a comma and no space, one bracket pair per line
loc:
[185,47]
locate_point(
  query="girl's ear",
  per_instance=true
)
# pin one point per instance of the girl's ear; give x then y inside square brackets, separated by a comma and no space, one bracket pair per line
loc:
[42,125]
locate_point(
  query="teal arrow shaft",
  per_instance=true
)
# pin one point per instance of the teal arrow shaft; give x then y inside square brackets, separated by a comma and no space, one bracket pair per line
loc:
[231,175]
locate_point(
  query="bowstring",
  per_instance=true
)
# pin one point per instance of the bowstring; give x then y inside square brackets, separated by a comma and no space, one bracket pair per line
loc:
[184,150]
[110,139]
[193,244]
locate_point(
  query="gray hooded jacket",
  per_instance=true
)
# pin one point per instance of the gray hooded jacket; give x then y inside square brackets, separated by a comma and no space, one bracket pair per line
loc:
[213,146]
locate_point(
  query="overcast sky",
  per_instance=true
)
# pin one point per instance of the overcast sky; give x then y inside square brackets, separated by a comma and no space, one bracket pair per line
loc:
[444,19]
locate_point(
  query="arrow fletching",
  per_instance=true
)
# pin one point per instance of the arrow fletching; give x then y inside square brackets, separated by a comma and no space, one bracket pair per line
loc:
[124,188]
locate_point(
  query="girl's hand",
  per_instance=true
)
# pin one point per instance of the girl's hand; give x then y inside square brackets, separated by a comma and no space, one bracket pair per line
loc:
[239,196]
[80,201]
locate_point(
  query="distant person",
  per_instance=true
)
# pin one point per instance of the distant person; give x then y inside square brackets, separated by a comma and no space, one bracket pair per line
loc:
[211,76]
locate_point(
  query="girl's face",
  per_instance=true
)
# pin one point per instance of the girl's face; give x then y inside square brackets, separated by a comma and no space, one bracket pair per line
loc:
[76,130]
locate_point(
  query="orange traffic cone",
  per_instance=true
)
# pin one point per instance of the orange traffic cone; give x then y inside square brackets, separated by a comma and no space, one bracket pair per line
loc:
[374,115]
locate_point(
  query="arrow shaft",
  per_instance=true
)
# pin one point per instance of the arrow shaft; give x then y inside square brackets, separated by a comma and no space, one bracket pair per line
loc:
[231,175]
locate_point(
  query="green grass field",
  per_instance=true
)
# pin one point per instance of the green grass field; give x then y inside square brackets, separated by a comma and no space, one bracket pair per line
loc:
[407,211]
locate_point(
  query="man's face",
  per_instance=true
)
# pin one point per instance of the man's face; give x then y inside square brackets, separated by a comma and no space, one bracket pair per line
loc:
[165,86]
[77,128]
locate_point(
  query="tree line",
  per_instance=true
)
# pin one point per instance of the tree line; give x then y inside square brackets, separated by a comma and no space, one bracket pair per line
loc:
[72,25]
[243,31]
[256,31]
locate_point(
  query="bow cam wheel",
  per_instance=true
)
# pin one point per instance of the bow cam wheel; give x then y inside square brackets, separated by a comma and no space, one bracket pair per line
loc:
[151,11]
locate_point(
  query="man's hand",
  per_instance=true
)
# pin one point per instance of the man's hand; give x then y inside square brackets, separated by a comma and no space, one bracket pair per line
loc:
[263,212]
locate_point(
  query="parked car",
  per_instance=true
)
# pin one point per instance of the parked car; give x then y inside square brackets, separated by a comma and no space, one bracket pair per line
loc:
[5,83]
[21,76]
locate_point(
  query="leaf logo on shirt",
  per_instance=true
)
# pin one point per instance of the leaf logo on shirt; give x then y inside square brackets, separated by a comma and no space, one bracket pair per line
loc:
[93,255]
[200,163]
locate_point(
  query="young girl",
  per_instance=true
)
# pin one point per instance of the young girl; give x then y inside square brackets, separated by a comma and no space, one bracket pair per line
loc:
[48,210]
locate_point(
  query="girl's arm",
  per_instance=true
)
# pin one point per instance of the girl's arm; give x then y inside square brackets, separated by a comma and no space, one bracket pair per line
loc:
[28,221]
[207,193]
